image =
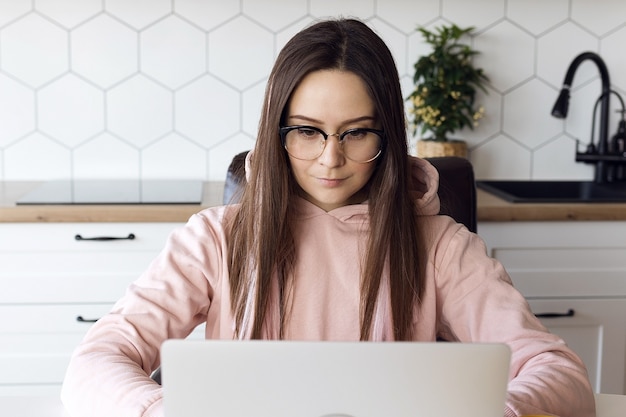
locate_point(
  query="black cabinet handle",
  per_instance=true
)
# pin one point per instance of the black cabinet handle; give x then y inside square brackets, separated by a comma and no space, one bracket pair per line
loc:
[130,236]
[81,319]
[570,313]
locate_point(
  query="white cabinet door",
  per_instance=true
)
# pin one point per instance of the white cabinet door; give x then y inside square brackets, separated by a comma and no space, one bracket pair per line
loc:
[45,263]
[595,331]
[49,279]
[36,341]
[580,266]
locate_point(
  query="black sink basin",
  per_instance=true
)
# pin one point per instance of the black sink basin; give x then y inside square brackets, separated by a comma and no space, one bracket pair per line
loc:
[555,191]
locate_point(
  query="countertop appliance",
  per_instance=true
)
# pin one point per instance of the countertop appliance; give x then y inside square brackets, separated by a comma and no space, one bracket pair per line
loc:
[115,192]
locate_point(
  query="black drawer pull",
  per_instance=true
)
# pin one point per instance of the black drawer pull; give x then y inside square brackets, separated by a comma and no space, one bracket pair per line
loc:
[570,313]
[81,319]
[130,236]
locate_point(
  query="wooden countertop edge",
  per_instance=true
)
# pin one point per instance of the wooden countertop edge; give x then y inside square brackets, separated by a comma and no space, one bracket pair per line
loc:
[10,212]
[489,209]
[494,209]
[145,213]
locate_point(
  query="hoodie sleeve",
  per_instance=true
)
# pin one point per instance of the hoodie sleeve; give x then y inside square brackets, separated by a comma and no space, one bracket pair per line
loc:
[477,303]
[108,374]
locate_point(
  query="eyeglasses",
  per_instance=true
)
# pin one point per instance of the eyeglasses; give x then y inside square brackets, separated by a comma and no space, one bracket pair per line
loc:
[360,145]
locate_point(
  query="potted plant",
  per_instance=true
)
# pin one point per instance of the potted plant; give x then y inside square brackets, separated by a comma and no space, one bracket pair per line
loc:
[445,88]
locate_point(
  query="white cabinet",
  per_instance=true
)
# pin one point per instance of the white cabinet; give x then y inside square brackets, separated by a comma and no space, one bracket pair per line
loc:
[53,286]
[573,275]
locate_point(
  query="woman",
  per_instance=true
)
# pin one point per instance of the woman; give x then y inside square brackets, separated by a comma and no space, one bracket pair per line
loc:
[337,237]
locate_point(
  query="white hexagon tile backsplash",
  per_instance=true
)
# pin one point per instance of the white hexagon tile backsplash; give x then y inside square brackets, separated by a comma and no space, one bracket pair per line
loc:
[173,88]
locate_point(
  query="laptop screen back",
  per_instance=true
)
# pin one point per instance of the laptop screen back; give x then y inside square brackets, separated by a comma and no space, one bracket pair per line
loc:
[315,379]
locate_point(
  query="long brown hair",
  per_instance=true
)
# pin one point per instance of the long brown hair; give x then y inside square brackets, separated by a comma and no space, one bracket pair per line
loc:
[261,245]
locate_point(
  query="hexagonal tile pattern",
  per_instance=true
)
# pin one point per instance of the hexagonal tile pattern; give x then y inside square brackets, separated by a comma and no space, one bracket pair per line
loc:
[161,53]
[478,13]
[612,49]
[207,14]
[161,88]
[34,50]
[17,107]
[537,16]
[554,162]
[221,155]
[599,18]
[240,52]
[284,12]
[406,84]
[527,114]
[105,60]
[203,119]
[11,10]
[408,17]
[173,157]
[105,157]
[363,9]
[283,36]
[139,110]
[58,104]
[69,13]
[36,157]
[554,55]
[139,13]
[251,105]
[506,55]
[501,158]
[396,42]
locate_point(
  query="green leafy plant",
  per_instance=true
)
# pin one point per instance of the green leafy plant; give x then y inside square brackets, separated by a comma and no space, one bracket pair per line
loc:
[445,85]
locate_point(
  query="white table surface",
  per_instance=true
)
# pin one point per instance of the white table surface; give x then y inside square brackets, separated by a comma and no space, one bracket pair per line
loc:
[32,407]
[607,406]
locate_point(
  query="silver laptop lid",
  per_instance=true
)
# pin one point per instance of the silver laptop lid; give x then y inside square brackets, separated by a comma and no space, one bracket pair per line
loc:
[315,379]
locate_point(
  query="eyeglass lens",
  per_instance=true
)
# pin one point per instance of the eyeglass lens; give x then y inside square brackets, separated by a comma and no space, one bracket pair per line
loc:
[307,143]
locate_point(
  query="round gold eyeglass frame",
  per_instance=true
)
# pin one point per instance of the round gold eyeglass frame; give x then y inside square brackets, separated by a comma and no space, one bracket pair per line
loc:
[283,131]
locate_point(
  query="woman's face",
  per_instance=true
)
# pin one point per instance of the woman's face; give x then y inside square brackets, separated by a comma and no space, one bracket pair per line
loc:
[333,101]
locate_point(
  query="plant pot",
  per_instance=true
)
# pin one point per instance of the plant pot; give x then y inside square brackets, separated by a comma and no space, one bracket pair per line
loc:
[429,148]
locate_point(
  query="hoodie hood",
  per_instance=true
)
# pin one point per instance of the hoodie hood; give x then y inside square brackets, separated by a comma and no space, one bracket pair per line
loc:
[423,187]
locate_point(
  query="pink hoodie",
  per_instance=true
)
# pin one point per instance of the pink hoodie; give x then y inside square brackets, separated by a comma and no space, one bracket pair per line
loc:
[469,297]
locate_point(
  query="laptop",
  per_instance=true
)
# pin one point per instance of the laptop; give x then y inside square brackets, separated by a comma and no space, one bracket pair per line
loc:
[331,379]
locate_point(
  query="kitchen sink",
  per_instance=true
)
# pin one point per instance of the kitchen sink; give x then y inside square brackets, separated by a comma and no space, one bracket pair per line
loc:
[529,191]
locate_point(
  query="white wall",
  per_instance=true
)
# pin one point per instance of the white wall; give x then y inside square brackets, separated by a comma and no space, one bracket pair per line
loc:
[173,88]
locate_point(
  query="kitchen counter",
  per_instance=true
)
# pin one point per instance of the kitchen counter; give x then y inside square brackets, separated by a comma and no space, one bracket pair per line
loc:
[10,192]
[495,209]
[490,209]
